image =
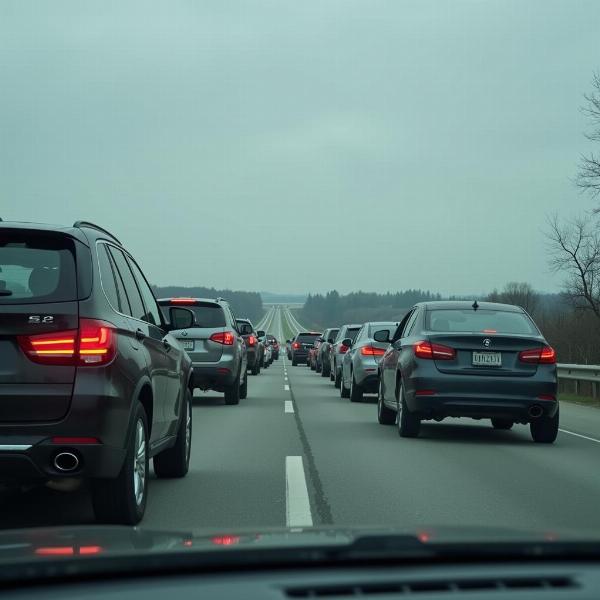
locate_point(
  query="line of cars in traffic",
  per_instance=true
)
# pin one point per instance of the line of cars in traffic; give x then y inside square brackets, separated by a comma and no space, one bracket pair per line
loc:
[97,375]
[443,359]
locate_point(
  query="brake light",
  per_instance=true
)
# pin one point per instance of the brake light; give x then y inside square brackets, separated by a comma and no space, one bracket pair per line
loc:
[251,340]
[96,342]
[344,349]
[64,440]
[372,351]
[67,550]
[295,345]
[223,337]
[226,540]
[424,349]
[93,344]
[540,356]
[183,300]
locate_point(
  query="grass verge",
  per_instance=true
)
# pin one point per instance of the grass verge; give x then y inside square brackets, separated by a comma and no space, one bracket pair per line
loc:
[583,400]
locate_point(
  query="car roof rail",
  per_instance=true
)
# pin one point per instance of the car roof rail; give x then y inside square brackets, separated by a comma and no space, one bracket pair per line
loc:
[80,224]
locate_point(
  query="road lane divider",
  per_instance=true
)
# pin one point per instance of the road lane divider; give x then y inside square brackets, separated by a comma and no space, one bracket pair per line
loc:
[297,504]
[289,407]
[286,387]
[579,435]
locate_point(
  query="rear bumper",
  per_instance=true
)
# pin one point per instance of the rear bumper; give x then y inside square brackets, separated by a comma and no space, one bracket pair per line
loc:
[214,376]
[252,356]
[37,462]
[300,355]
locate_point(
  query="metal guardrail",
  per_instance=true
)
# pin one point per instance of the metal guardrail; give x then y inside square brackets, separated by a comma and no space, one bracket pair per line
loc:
[578,373]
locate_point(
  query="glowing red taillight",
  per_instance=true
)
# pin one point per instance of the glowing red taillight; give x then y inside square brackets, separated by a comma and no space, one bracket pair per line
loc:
[183,300]
[94,343]
[424,349]
[226,540]
[344,349]
[251,341]
[372,351]
[223,337]
[295,345]
[541,356]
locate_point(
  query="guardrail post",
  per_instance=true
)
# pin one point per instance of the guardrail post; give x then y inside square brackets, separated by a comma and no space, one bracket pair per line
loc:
[577,387]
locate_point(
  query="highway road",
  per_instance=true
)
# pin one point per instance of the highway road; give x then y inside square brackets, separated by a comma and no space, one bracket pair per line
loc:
[295,454]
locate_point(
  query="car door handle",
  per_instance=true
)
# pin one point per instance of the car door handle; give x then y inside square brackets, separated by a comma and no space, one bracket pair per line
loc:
[166,344]
[139,334]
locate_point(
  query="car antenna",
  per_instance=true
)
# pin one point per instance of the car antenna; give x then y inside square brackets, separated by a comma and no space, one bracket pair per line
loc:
[475,305]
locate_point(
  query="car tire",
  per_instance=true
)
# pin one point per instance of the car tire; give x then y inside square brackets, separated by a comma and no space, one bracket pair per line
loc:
[502,423]
[331,376]
[244,387]
[312,366]
[344,391]
[356,391]
[120,501]
[232,392]
[318,367]
[294,363]
[255,368]
[385,415]
[409,424]
[338,379]
[175,461]
[544,429]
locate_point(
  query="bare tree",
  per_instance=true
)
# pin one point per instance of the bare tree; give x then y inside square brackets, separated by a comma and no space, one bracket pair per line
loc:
[519,293]
[588,178]
[575,251]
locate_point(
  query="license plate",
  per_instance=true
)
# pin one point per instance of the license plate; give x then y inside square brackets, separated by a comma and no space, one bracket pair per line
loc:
[188,344]
[487,359]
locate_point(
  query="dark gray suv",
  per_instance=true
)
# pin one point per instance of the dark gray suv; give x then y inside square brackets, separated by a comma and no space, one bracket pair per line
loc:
[92,383]
[215,345]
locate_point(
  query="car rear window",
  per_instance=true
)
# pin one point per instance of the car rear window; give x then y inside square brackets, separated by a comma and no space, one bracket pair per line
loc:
[307,338]
[37,269]
[351,333]
[391,327]
[207,315]
[481,321]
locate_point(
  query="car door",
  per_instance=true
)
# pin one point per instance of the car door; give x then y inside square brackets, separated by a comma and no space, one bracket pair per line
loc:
[389,361]
[149,341]
[171,351]
[241,353]
[348,361]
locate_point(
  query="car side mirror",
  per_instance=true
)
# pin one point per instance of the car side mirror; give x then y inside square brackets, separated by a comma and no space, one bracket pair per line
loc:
[288,341]
[382,335]
[347,342]
[180,318]
[260,333]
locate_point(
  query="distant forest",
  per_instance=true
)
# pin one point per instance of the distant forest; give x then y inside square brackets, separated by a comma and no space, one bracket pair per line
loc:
[243,304]
[572,331]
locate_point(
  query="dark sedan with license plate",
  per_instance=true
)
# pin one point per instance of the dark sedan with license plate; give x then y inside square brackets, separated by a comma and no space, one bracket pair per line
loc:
[468,359]
[301,345]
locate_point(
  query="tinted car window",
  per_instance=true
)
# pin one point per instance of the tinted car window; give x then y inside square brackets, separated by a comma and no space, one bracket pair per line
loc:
[36,269]
[307,338]
[381,327]
[131,289]
[482,320]
[107,277]
[352,333]
[152,312]
[207,315]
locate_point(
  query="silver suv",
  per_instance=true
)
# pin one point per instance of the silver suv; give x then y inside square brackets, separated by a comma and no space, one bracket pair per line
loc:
[215,345]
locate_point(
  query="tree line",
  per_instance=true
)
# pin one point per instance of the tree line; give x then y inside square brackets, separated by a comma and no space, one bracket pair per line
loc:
[243,304]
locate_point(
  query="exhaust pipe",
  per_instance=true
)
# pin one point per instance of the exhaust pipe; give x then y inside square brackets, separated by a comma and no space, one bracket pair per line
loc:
[535,411]
[66,462]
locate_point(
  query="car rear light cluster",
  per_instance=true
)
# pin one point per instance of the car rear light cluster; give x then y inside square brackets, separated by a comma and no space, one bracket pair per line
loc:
[251,341]
[223,337]
[544,355]
[295,345]
[93,344]
[427,350]
[372,351]
[183,300]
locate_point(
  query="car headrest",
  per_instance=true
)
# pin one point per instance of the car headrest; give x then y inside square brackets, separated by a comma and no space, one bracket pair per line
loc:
[43,281]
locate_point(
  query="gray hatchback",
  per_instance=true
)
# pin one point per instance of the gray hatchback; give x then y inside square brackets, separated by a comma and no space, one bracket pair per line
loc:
[215,345]
[462,359]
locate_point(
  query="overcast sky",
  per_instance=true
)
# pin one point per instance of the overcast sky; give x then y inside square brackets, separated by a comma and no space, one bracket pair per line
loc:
[302,146]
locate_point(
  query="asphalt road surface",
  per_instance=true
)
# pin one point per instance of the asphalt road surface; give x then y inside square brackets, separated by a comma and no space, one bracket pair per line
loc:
[295,454]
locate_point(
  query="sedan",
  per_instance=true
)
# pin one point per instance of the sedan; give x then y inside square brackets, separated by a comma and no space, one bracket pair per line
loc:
[461,359]
[360,372]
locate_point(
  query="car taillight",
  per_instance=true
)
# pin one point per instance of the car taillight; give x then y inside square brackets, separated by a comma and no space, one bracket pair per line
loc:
[96,342]
[295,345]
[183,300]
[541,356]
[344,349]
[251,341]
[93,344]
[424,349]
[372,351]
[223,337]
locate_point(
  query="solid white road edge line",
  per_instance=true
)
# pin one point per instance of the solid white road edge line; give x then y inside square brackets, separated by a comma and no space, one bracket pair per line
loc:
[296,494]
[289,407]
[585,437]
